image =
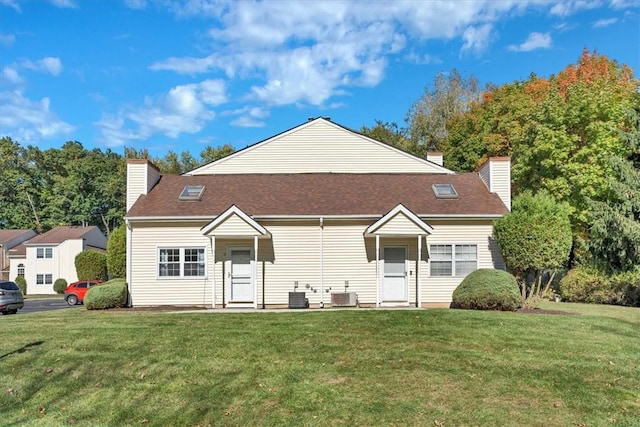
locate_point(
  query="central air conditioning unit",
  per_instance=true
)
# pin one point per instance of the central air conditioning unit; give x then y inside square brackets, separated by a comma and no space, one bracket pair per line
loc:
[344,299]
[298,300]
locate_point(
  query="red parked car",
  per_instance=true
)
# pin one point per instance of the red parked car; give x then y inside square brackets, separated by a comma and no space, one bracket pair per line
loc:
[75,292]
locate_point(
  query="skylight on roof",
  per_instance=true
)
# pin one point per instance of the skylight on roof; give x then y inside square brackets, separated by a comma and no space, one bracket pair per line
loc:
[444,191]
[192,192]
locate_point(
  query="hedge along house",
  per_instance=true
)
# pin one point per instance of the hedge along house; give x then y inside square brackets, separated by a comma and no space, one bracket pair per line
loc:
[318,209]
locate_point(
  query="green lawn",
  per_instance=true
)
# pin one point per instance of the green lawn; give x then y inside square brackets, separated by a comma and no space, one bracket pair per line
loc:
[352,367]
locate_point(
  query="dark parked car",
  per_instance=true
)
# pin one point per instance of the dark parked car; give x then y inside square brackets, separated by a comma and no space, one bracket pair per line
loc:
[11,298]
[76,291]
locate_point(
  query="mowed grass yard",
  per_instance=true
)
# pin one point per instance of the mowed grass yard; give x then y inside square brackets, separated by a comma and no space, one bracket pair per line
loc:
[329,367]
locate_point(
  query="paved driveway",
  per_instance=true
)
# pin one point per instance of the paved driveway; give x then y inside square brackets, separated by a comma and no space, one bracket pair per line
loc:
[44,304]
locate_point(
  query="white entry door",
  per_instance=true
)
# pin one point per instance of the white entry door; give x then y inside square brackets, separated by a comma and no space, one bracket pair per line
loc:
[241,276]
[394,283]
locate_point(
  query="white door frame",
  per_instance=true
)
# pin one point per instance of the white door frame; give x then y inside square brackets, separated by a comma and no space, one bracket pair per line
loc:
[406,272]
[228,270]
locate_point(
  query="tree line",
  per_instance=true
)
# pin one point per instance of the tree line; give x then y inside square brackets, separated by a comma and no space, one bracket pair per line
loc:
[42,189]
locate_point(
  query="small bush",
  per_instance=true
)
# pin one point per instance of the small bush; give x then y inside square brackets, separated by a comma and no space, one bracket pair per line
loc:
[91,265]
[583,284]
[59,286]
[22,284]
[112,294]
[626,287]
[488,289]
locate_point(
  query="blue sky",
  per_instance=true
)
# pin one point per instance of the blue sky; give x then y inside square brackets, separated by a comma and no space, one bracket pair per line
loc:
[180,75]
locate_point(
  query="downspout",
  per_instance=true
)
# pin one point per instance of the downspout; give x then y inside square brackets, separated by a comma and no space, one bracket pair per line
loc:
[418,274]
[321,262]
[128,262]
[212,242]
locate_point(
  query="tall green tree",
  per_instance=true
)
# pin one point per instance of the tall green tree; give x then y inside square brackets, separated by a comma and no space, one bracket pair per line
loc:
[390,133]
[615,218]
[535,239]
[450,95]
[23,181]
[210,154]
[117,253]
[559,131]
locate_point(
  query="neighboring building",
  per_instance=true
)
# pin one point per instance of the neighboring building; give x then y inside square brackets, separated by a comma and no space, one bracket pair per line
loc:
[51,256]
[10,239]
[319,209]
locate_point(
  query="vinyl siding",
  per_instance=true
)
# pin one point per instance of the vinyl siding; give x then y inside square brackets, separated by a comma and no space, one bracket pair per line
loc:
[348,255]
[145,286]
[293,254]
[141,177]
[136,182]
[440,289]
[319,147]
[501,180]
[496,174]
[400,225]
[234,226]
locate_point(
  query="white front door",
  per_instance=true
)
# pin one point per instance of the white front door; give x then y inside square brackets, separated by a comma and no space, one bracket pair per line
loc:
[240,276]
[394,283]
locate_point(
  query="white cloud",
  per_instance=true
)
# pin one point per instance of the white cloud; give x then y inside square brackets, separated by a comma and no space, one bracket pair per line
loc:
[624,4]
[64,3]
[477,39]
[602,23]
[569,7]
[184,109]
[50,65]
[308,52]
[29,121]
[534,41]
[248,116]
[13,4]
[11,74]
[7,39]
[136,4]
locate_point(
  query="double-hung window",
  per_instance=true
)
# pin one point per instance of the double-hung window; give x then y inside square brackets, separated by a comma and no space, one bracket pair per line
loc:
[453,260]
[44,252]
[181,262]
[44,279]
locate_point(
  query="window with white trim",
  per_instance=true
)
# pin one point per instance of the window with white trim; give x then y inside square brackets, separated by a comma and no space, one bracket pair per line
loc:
[44,252]
[181,262]
[453,260]
[21,270]
[44,279]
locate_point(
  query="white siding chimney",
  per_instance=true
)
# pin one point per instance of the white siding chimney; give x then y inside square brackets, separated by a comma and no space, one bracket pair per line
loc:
[142,175]
[435,157]
[496,174]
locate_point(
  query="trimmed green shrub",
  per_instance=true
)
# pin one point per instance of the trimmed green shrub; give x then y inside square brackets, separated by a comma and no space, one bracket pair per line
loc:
[488,289]
[91,265]
[59,286]
[583,284]
[117,252]
[112,294]
[22,284]
[626,286]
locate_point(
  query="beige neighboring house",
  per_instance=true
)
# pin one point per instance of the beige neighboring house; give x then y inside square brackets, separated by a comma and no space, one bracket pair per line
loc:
[319,209]
[51,255]
[9,239]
